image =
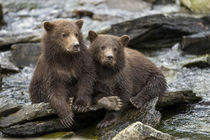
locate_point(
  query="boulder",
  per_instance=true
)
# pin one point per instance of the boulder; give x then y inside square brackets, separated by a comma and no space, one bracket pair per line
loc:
[196,43]
[199,61]
[140,131]
[29,37]
[147,115]
[159,31]
[197,6]
[24,54]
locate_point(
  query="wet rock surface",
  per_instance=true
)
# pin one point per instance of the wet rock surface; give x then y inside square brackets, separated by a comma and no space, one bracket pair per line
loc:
[25,54]
[159,31]
[178,98]
[140,131]
[199,61]
[196,43]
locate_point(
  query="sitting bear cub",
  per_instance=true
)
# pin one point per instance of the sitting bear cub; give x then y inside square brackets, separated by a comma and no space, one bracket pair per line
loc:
[123,72]
[65,73]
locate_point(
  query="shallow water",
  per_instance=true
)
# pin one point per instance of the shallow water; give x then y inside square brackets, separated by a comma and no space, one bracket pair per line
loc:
[27,16]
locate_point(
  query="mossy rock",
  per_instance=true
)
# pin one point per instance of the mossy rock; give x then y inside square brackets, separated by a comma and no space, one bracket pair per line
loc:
[197,6]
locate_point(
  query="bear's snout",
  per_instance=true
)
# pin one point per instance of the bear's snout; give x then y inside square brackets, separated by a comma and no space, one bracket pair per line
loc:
[76,47]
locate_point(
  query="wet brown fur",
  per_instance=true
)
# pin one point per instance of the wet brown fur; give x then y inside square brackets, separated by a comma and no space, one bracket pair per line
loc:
[61,74]
[132,77]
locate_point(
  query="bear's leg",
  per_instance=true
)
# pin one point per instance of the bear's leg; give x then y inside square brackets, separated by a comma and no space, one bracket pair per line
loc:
[154,87]
[36,91]
[62,104]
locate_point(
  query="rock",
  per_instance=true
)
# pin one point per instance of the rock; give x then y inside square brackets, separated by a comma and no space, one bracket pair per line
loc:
[83,13]
[177,98]
[33,120]
[131,5]
[196,43]
[200,61]
[26,114]
[9,109]
[2,22]
[0,78]
[1,134]
[6,65]
[161,2]
[25,54]
[147,115]
[197,6]
[34,128]
[29,37]
[159,31]
[140,131]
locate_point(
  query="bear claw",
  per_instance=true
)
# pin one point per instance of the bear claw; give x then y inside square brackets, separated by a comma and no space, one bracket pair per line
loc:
[136,104]
[67,121]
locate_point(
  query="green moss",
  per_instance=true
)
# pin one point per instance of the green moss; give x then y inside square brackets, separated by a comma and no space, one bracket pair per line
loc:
[59,135]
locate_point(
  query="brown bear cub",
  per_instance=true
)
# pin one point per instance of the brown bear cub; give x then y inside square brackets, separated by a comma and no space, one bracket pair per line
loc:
[65,73]
[123,72]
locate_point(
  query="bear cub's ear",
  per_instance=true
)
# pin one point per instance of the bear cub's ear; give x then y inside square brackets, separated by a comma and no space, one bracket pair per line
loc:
[124,40]
[79,23]
[48,25]
[92,36]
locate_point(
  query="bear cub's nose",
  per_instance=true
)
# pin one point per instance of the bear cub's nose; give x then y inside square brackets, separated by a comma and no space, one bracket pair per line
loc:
[110,57]
[76,46]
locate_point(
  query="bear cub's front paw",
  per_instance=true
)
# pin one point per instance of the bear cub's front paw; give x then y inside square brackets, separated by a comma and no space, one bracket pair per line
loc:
[67,121]
[81,104]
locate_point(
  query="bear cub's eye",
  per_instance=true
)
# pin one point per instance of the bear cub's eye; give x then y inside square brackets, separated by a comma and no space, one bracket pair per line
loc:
[76,34]
[65,34]
[115,49]
[103,48]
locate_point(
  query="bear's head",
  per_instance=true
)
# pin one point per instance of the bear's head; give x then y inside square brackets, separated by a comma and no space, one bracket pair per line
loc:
[108,50]
[63,35]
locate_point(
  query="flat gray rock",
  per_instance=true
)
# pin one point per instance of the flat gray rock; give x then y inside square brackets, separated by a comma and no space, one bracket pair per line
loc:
[9,109]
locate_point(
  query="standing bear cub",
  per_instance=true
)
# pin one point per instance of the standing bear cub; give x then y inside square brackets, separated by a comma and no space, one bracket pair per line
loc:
[64,74]
[123,72]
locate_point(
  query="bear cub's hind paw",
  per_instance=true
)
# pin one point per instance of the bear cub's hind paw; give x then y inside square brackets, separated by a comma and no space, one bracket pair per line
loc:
[111,103]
